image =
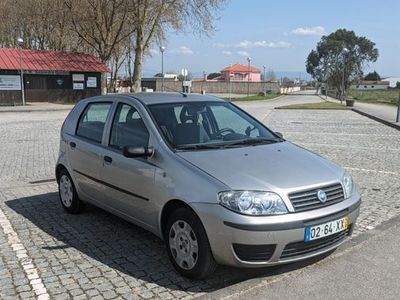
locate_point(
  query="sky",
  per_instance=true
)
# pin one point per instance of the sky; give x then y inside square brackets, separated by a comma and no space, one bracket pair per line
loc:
[280,34]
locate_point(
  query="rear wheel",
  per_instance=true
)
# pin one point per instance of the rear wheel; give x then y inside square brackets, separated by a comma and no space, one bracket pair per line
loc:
[187,245]
[67,192]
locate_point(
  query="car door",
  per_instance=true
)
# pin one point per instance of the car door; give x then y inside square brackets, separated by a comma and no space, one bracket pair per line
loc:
[130,181]
[85,150]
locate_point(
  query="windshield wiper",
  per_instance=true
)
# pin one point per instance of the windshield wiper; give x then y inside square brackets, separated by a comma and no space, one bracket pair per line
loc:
[199,147]
[253,141]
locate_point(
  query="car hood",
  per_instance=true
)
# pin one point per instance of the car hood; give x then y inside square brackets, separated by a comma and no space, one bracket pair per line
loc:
[276,167]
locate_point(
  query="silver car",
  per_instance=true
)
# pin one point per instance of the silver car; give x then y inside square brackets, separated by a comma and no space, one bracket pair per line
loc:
[217,185]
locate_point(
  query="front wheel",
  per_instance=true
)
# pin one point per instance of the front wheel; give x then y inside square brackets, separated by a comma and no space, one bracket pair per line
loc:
[187,245]
[68,195]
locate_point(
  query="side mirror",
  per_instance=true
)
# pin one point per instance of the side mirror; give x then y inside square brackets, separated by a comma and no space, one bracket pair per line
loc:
[132,151]
[279,134]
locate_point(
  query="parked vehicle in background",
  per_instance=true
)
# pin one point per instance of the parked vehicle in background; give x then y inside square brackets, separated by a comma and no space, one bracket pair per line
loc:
[217,185]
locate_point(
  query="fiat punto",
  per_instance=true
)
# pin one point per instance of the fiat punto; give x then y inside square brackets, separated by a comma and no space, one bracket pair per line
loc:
[214,183]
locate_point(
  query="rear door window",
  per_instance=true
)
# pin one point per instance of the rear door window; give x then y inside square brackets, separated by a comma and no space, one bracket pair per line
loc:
[128,128]
[92,121]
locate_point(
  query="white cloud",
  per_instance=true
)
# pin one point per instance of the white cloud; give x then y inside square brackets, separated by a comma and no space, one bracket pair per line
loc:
[265,44]
[243,53]
[316,30]
[183,50]
[229,53]
[221,45]
[245,44]
[153,51]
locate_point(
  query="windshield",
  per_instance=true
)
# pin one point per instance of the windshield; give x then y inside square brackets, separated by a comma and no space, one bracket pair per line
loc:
[207,125]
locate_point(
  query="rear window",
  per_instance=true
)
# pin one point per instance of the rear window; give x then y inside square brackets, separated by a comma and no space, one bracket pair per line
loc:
[92,121]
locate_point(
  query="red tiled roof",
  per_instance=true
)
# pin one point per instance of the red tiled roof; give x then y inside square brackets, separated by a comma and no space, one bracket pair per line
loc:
[35,60]
[241,68]
[368,82]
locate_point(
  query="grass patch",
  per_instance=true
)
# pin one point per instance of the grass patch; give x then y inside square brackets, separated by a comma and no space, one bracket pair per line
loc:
[255,98]
[389,96]
[319,105]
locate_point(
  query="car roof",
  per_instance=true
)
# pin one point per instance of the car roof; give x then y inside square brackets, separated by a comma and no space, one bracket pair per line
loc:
[171,97]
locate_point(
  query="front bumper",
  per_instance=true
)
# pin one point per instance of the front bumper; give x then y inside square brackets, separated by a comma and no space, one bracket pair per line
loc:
[227,229]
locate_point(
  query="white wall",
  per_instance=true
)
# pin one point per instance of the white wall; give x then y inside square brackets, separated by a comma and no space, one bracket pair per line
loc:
[369,87]
[392,81]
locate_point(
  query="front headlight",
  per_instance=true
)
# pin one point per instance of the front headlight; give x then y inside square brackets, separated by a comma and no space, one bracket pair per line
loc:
[253,202]
[347,182]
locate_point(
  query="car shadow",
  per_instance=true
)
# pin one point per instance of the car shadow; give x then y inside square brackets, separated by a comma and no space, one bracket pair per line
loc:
[123,246]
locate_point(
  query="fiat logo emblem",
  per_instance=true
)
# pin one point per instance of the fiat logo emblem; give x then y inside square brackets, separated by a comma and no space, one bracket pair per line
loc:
[321,196]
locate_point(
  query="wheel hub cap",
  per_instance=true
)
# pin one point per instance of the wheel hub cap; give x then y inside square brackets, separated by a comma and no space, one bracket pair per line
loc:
[183,244]
[66,192]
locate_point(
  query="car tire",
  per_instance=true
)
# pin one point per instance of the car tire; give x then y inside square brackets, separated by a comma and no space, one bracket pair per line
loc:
[187,245]
[68,196]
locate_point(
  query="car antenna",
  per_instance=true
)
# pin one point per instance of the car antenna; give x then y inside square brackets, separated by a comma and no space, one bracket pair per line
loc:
[173,90]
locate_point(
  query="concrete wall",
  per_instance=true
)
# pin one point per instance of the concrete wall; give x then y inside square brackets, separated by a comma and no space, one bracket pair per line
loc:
[369,87]
[222,87]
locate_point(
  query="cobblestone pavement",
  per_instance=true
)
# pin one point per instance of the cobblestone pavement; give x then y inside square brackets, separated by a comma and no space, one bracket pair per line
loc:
[46,253]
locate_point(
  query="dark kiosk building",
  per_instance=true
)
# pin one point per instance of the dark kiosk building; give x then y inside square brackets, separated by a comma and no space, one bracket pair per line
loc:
[48,76]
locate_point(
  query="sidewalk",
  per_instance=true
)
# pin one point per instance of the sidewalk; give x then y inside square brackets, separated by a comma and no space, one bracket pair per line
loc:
[37,106]
[367,268]
[380,112]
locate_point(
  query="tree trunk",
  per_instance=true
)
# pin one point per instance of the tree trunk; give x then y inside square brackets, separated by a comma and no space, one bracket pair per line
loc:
[137,69]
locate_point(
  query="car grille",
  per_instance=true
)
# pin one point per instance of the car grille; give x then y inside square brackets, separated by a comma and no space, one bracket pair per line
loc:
[308,200]
[254,252]
[302,248]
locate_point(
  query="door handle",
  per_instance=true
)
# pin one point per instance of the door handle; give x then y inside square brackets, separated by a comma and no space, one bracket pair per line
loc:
[72,144]
[108,159]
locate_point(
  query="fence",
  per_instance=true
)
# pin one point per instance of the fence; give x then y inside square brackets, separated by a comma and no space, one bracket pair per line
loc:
[221,87]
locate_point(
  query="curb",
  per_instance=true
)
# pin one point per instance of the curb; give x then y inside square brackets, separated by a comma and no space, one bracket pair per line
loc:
[380,120]
[282,107]
[250,101]
[286,270]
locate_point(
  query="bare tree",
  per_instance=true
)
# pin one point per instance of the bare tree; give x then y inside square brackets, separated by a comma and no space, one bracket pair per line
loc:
[270,76]
[100,24]
[154,17]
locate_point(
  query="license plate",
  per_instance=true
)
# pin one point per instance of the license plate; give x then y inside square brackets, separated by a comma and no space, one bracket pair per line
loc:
[319,231]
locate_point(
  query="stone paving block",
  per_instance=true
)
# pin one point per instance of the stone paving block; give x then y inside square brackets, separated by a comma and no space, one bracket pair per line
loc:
[96,255]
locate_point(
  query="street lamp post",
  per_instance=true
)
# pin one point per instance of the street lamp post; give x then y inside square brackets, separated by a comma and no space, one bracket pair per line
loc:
[345,50]
[264,66]
[327,80]
[162,49]
[20,43]
[248,76]
[398,110]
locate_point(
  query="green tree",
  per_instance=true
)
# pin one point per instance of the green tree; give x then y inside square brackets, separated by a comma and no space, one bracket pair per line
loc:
[340,57]
[372,76]
[211,76]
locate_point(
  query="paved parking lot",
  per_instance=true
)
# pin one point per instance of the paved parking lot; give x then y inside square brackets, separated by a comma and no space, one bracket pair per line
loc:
[46,253]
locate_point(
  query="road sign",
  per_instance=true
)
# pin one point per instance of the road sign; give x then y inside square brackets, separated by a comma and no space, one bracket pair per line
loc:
[231,74]
[184,72]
